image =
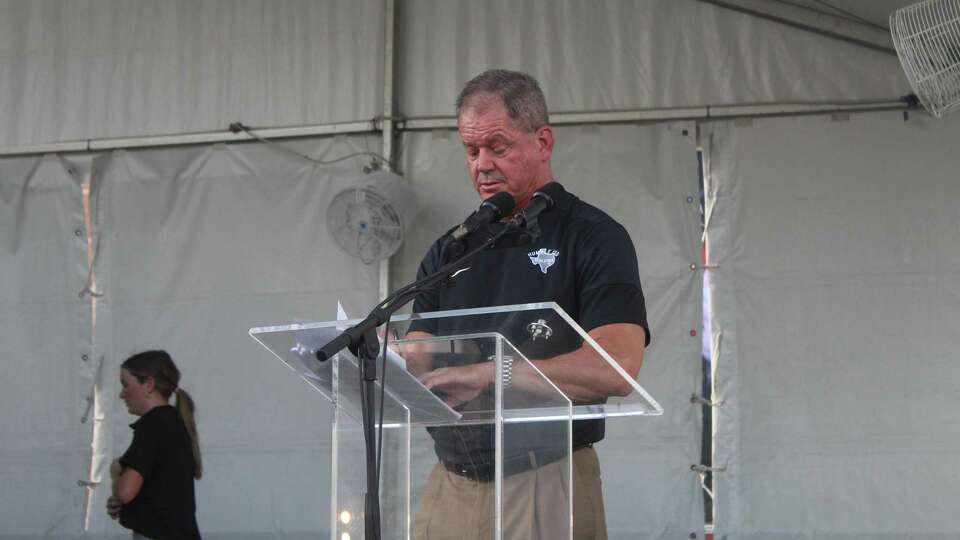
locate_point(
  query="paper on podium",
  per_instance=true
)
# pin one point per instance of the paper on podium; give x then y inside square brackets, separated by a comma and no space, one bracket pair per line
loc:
[296,345]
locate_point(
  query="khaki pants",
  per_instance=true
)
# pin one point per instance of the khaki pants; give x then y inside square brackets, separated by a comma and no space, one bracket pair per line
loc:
[456,508]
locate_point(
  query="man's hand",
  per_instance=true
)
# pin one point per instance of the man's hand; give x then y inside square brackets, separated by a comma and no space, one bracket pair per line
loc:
[417,355]
[113,507]
[459,385]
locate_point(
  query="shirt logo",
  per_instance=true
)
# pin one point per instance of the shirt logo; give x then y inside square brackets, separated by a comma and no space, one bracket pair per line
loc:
[539,329]
[544,258]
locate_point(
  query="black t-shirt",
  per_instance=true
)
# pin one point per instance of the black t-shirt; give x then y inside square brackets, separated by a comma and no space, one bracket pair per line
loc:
[583,260]
[161,451]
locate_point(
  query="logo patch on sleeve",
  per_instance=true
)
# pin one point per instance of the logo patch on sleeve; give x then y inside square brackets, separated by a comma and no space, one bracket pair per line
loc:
[544,258]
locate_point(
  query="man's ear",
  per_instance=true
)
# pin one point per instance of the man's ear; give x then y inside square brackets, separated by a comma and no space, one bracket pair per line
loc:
[545,140]
[150,384]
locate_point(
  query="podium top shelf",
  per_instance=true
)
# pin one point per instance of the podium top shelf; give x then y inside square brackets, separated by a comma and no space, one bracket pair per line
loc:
[529,332]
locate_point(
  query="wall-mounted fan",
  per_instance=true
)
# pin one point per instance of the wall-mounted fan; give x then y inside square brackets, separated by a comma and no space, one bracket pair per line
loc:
[368,219]
[927,38]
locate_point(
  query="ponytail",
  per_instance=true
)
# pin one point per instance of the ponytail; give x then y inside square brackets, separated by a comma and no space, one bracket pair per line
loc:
[187,412]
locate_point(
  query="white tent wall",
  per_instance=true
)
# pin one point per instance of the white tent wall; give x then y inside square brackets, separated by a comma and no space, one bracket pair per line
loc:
[643,176]
[98,69]
[199,245]
[835,303]
[196,245]
[45,346]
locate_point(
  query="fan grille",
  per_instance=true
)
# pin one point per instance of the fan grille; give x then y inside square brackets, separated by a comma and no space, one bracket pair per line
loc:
[364,224]
[927,38]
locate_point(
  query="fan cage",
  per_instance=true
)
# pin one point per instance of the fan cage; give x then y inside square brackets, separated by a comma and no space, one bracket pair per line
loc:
[927,39]
[365,224]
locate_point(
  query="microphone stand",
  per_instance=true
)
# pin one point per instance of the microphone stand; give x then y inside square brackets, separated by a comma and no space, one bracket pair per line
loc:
[361,340]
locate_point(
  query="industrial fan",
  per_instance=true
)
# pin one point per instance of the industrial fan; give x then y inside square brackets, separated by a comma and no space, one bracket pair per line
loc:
[368,219]
[927,38]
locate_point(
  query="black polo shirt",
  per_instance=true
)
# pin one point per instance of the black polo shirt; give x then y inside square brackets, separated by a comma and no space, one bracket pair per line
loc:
[583,260]
[161,451]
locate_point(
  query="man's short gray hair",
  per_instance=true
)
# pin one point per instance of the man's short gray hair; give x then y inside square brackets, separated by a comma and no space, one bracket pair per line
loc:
[519,92]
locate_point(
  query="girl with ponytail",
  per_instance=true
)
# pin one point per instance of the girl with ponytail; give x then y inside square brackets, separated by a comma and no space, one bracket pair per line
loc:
[154,491]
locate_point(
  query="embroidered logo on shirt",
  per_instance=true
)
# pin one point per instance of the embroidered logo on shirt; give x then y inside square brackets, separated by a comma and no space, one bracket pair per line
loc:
[544,258]
[539,329]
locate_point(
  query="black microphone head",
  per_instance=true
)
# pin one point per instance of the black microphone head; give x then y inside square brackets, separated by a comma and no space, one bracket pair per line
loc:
[502,203]
[547,194]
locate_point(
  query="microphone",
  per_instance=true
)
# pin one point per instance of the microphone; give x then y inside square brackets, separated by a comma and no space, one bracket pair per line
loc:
[490,210]
[541,201]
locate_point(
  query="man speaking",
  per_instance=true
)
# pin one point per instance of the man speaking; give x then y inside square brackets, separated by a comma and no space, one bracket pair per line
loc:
[581,259]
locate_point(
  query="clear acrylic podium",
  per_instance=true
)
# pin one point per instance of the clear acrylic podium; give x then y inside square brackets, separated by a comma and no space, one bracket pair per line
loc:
[496,432]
